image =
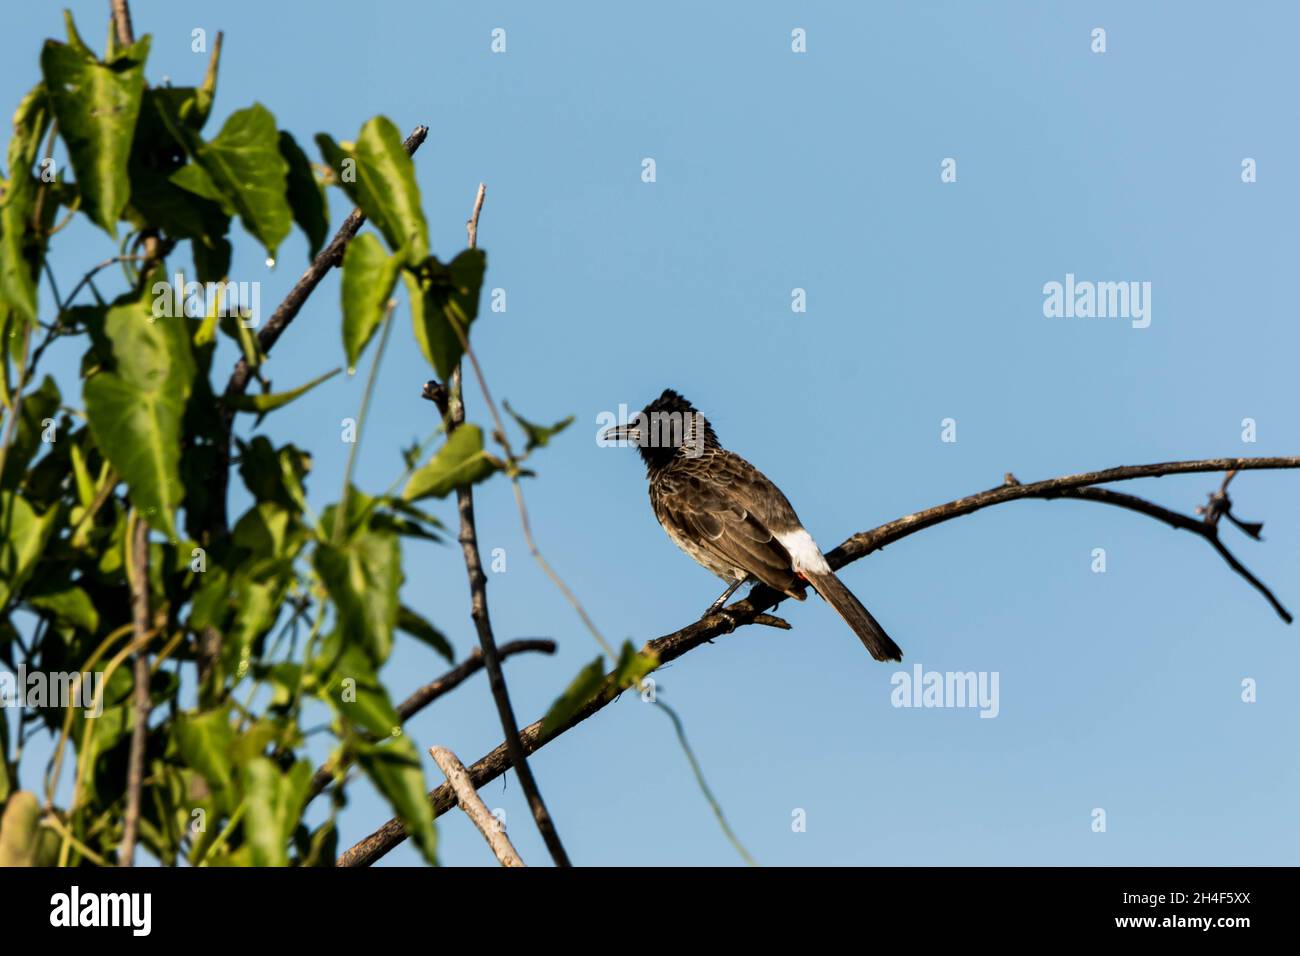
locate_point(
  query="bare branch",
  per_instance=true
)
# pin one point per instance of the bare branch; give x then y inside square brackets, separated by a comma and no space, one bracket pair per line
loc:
[471,229]
[452,406]
[121,14]
[672,646]
[469,800]
[449,681]
[1209,530]
[455,415]
[471,224]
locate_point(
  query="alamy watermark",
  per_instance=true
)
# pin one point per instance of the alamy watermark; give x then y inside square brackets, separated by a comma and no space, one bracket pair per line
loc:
[656,430]
[1075,299]
[922,688]
[53,689]
[197,300]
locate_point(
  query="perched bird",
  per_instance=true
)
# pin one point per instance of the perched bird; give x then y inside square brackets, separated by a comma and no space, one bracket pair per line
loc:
[729,517]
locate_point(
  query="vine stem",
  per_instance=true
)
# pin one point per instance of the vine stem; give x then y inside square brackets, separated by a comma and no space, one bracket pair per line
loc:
[340,519]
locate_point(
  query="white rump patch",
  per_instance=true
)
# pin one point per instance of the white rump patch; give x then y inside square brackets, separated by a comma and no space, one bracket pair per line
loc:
[804,553]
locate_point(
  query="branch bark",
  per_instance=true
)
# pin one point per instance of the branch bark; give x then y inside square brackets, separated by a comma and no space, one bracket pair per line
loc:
[674,645]
[469,800]
[121,14]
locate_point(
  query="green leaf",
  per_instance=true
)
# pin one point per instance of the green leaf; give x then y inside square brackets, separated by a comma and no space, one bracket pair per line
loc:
[369,275]
[575,697]
[306,197]
[363,576]
[274,474]
[96,105]
[460,462]
[633,666]
[349,683]
[403,525]
[258,604]
[135,408]
[285,679]
[262,530]
[440,296]
[394,768]
[23,535]
[204,741]
[420,629]
[70,604]
[243,170]
[381,180]
[538,436]
[252,743]
[156,153]
[267,402]
[18,251]
[211,263]
[273,805]
[37,405]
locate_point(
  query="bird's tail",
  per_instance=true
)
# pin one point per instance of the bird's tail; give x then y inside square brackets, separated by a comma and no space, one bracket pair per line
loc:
[855,615]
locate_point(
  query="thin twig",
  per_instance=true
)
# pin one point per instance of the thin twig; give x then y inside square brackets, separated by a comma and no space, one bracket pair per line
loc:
[471,224]
[57,329]
[469,800]
[471,229]
[121,13]
[52,822]
[674,645]
[139,580]
[453,410]
[341,514]
[1209,530]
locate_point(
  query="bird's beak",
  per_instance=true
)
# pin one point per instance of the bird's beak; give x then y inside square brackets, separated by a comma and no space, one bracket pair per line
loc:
[621,433]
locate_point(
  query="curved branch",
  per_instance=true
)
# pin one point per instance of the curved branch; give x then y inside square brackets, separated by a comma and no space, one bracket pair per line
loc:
[1205,528]
[672,646]
[424,696]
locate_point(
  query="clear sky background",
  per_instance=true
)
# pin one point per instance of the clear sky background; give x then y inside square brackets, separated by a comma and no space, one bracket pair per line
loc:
[821,170]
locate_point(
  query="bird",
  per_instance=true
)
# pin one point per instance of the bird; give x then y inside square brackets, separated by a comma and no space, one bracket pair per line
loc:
[729,517]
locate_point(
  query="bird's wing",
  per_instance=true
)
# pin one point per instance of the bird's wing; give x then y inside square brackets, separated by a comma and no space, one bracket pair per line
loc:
[717,501]
[756,493]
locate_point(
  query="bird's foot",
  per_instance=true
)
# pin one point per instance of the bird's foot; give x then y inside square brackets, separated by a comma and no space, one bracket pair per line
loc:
[727,615]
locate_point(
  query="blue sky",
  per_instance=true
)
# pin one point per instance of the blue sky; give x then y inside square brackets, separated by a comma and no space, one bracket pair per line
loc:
[821,171]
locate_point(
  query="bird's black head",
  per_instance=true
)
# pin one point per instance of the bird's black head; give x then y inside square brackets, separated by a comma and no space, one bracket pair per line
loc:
[669,427]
